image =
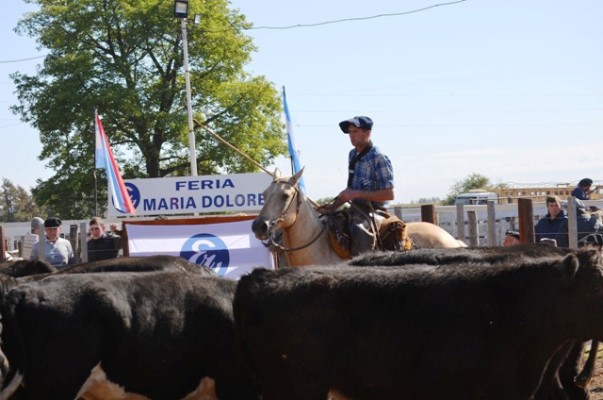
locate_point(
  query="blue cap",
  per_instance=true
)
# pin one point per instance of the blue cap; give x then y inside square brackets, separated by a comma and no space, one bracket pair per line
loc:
[358,122]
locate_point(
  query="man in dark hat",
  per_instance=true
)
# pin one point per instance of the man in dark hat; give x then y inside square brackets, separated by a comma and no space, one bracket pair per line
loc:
[57,251]
[370,180]
[370,172]
[583,190]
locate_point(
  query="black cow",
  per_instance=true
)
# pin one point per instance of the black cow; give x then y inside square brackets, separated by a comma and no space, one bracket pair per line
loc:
[425,333]
[154,333]
[20,268]
[559,378]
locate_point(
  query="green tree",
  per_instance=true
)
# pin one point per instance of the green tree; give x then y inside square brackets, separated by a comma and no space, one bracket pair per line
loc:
[16,204]
[124,58]
[472,182]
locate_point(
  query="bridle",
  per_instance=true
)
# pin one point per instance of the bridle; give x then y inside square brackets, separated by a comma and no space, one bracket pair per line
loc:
[271,240]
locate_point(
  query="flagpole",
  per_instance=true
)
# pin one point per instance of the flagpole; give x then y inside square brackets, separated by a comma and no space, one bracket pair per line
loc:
[291,160]
[189,106]
[94,170]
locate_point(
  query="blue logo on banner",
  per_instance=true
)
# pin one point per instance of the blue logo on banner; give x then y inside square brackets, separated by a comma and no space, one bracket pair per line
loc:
[207,250]
[134,193]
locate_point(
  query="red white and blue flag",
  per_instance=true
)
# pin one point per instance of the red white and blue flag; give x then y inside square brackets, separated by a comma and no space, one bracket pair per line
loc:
[105,160]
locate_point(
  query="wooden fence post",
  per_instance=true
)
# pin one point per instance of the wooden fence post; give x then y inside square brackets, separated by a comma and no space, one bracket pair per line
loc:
[398,213]
[83,239]
[492,239]
[124,240]
[460,222]
[73,238]
[473,228]
[525,213]
[428,213]
[2,245]
[572,223]
[41,243]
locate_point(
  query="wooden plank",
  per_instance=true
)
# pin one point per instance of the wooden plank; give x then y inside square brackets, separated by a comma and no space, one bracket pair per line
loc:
[526,220]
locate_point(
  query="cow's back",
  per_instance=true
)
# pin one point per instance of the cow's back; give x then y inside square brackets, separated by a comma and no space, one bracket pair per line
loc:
[138,264]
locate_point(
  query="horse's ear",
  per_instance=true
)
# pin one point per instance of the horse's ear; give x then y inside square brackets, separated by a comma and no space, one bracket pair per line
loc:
[296,177]
[276,174]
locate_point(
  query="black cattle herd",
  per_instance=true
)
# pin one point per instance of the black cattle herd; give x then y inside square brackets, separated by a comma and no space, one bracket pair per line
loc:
[469,323]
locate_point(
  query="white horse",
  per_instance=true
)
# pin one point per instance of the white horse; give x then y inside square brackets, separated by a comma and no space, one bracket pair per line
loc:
[305,239]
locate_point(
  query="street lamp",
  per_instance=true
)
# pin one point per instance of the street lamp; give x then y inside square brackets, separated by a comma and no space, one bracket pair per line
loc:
[181,12]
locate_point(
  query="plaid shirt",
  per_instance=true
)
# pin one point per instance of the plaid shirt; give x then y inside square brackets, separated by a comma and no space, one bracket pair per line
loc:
[372,172]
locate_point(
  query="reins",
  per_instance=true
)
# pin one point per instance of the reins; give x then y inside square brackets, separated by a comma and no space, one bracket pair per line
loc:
[272,241]
[292,249]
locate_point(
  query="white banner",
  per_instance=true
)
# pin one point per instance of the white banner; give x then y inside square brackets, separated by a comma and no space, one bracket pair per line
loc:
[229,248]
[199,194]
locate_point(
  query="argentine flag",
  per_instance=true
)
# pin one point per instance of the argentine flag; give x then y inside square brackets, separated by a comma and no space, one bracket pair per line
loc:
[105,160]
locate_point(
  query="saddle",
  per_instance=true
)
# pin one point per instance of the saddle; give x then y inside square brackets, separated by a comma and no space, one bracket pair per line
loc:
[388,231]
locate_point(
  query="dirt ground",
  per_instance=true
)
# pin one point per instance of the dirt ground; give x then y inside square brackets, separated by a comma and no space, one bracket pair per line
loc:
[596,384]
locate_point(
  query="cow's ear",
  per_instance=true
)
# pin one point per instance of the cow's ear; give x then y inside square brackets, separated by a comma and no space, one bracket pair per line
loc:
[570,265]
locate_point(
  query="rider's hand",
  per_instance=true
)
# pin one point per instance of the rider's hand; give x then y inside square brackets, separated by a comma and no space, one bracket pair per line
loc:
[330,207]
[324,208]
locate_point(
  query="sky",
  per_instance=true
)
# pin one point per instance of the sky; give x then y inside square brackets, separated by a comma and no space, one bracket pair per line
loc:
[508,89]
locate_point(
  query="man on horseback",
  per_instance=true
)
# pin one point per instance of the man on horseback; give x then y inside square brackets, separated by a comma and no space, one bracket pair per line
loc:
[370,184]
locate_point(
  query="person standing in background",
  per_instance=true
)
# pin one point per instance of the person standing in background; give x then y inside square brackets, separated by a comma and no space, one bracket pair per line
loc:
[583,190]
[30,239]
[57,251]
[554,225]
[102,245]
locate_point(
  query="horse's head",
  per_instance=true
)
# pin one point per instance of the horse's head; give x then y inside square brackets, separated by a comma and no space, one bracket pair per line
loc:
[281,205]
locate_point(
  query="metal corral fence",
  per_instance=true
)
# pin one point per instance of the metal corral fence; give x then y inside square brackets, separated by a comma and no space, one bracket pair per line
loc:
[485,225]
